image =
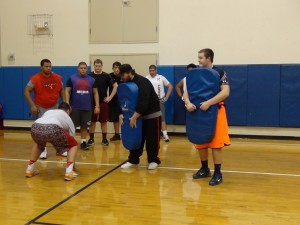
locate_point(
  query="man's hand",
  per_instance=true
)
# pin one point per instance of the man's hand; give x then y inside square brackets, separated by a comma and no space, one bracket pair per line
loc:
[163,100]
[132,122]
[121,119]
[190,107]
[97,110]
[204,106]
[34,110]
[107,99]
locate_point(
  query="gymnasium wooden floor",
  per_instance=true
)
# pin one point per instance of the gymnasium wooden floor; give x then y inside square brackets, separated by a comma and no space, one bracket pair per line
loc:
[261,186]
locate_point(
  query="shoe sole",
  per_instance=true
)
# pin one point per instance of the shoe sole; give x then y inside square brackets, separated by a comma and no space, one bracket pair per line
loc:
[71,178]
[61,155]
[68,178]
[31,175]
[117,139]
[216,183]
[133,166]
[152,168]
[200,177]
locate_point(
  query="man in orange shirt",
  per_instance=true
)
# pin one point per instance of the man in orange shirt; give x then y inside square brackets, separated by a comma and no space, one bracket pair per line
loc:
[47,87]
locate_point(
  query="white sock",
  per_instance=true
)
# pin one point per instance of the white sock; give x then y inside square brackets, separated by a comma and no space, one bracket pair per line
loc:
[69,167]
[83,140]
[165,133]
[31,165]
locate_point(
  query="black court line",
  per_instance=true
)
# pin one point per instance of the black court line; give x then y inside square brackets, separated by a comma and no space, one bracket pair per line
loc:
[47,223]
[33,221]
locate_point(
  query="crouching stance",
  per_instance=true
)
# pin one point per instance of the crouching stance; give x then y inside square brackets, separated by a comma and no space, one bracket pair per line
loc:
[54,127]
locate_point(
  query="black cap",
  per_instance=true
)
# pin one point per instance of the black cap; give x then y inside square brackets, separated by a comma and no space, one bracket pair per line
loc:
[125,68]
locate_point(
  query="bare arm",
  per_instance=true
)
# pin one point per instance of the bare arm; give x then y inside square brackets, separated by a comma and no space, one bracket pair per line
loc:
[67,94]
[189,106]
[96,98]
[133,119]
[114,91]
[33,108]
[170,88]
[221,96]
[62,94]
[178,88]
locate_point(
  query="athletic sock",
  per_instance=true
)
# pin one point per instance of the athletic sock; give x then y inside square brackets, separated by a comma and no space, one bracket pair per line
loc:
[204,164]
[69,167]
[83,140]
[92,136]
[217,168]
[165,132]
[31,165]
[104,135]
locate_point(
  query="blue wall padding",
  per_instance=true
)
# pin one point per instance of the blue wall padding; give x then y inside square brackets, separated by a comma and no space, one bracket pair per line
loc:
[168,72]
[1,86]
[263,95]
[236,103]
[290,96]
[65,72]
[13,104]
[179,108]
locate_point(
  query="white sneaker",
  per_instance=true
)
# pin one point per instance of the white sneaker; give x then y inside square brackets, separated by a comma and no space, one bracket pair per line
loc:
[152,166]
[43,155]
[64,154]
[128,165]
[166,138]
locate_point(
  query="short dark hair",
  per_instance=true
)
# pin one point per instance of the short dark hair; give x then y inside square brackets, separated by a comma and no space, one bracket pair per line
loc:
[118,64]
[45,61]
[152,67]
[82,63]
[98,61]
[208,53]
[126,68]
[191,65]
[64,106]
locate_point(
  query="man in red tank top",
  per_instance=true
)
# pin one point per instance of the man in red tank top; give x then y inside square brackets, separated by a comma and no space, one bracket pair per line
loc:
[47,87]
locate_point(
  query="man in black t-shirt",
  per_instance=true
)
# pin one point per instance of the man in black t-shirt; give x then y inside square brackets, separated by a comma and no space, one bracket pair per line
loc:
[113,105]
[102,82]
[148,108]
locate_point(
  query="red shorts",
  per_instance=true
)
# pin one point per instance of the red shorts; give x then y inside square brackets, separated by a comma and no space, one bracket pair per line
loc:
[102,117]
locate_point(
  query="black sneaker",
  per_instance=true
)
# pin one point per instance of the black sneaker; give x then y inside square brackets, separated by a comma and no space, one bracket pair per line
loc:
[105,142]
[91,142]
[202,173]
[84,146]
[216,179]
[116,137]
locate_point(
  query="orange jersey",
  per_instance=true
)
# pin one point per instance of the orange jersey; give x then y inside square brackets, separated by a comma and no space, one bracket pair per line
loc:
[221,137]
[46,89]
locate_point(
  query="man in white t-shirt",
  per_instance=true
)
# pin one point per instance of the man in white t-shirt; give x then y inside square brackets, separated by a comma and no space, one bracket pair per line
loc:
[159,83]
[54,127]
